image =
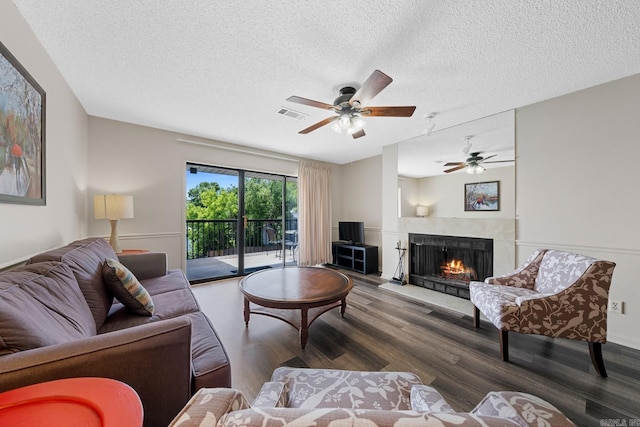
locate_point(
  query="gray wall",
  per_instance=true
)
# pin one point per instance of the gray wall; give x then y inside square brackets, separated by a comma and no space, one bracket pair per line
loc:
[577,185]
[360,197]
[444,194]
[27,230]
[150,164]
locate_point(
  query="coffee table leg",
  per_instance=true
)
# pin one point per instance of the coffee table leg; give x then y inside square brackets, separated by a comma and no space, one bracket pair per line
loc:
[343,306]
[304,326]
[247,313]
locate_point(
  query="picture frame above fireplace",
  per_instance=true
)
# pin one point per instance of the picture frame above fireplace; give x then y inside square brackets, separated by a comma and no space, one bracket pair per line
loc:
[482,196]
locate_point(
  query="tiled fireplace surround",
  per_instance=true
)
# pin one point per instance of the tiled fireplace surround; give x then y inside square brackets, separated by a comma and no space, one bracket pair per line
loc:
[502,231]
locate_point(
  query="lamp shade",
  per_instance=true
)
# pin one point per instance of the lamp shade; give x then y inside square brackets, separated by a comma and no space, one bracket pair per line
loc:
[112,206]
[422,211]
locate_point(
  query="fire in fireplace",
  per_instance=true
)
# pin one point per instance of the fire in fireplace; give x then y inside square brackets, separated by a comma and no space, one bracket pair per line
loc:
[455,269]
[448,263]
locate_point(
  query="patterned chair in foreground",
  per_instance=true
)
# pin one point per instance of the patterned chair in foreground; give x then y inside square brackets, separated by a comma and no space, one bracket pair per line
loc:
[328,398]
[554,293]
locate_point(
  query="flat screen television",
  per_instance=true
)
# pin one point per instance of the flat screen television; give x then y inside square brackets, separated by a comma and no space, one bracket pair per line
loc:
[351,231]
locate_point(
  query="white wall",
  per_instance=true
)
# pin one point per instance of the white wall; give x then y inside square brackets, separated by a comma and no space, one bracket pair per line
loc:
[150,165]
[390,220]
[444,194]
[360,197]
[409,196]
[577,185]
[336,202]
[27,230]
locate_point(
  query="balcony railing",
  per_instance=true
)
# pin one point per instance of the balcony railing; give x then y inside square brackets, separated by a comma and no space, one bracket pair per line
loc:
[217,237]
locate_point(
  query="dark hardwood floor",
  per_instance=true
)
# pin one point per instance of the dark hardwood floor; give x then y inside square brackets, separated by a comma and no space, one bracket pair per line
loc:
[383,331]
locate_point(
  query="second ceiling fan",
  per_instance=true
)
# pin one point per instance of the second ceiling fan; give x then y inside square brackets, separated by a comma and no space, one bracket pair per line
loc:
[473,163]
[350,106]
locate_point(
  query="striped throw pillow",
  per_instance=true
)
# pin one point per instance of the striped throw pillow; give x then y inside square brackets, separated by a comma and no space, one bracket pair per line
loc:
[126,288]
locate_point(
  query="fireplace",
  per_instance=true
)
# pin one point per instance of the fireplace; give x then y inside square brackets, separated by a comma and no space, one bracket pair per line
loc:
[448,263]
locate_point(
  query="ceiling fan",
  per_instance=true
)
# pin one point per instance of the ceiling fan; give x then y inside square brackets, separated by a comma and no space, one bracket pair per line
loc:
[473,163]
[350,106]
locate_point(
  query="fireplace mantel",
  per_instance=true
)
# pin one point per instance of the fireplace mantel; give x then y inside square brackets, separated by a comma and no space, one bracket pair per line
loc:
[502,231]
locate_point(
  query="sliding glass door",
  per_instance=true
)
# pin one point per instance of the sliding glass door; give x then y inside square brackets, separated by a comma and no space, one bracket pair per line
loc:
[212,222]
[238,222]
[291,220]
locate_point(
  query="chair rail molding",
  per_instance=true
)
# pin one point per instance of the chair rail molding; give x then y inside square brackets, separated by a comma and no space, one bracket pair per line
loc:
[577,248]
[139,236]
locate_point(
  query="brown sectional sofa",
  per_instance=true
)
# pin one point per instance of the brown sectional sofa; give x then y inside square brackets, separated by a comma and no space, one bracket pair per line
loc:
[59,320]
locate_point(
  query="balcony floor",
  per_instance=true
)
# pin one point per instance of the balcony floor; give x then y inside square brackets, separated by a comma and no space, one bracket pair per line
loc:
[227,265]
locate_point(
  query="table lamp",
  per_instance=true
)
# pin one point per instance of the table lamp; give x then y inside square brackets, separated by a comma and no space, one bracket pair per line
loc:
[113,207]
[422,211]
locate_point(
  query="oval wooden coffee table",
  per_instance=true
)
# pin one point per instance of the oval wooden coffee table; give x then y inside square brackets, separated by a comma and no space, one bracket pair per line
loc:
[281,292]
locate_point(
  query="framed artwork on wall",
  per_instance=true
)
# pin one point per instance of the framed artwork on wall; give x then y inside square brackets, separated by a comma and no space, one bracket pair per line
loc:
[22,134]
[482,196]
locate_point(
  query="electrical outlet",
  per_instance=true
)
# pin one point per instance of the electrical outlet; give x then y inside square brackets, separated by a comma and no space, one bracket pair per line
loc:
[616,306]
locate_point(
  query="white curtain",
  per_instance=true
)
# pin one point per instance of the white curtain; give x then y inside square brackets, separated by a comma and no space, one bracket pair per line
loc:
[314,206]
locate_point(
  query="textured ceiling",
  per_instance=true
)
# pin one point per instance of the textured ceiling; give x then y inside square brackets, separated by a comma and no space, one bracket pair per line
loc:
[492,136]
[222,70]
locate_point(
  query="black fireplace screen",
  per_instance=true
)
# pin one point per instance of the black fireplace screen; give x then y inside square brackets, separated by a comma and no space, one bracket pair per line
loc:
[448,263]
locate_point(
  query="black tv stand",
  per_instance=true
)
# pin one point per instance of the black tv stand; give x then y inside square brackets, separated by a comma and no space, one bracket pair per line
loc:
[357,257]
[342,242]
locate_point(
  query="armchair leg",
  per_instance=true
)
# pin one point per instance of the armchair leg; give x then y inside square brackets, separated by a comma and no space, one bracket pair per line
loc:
[476,317]
[595,350]
[504,345]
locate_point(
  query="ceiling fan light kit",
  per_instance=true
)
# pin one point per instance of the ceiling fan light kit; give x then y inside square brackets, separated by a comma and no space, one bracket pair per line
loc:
[349,123]
[474,169]
[350,106]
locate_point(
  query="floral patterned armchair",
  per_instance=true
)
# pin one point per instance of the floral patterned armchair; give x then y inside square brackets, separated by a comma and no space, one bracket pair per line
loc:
[554,293]
[326,397]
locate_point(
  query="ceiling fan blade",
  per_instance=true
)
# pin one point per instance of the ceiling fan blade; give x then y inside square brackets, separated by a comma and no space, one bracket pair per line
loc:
[454,163]
[406,111]
[457,168]
[310,102]
[487,158]
[370,88]
[500,161]
[319,124]
[358,134]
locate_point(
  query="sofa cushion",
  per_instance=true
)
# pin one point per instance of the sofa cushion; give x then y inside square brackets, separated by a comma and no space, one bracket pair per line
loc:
[174,280]
[330,388]
[209,359]
[500,304]
[41,304]
[166,306]
[85,257]
[126,288]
